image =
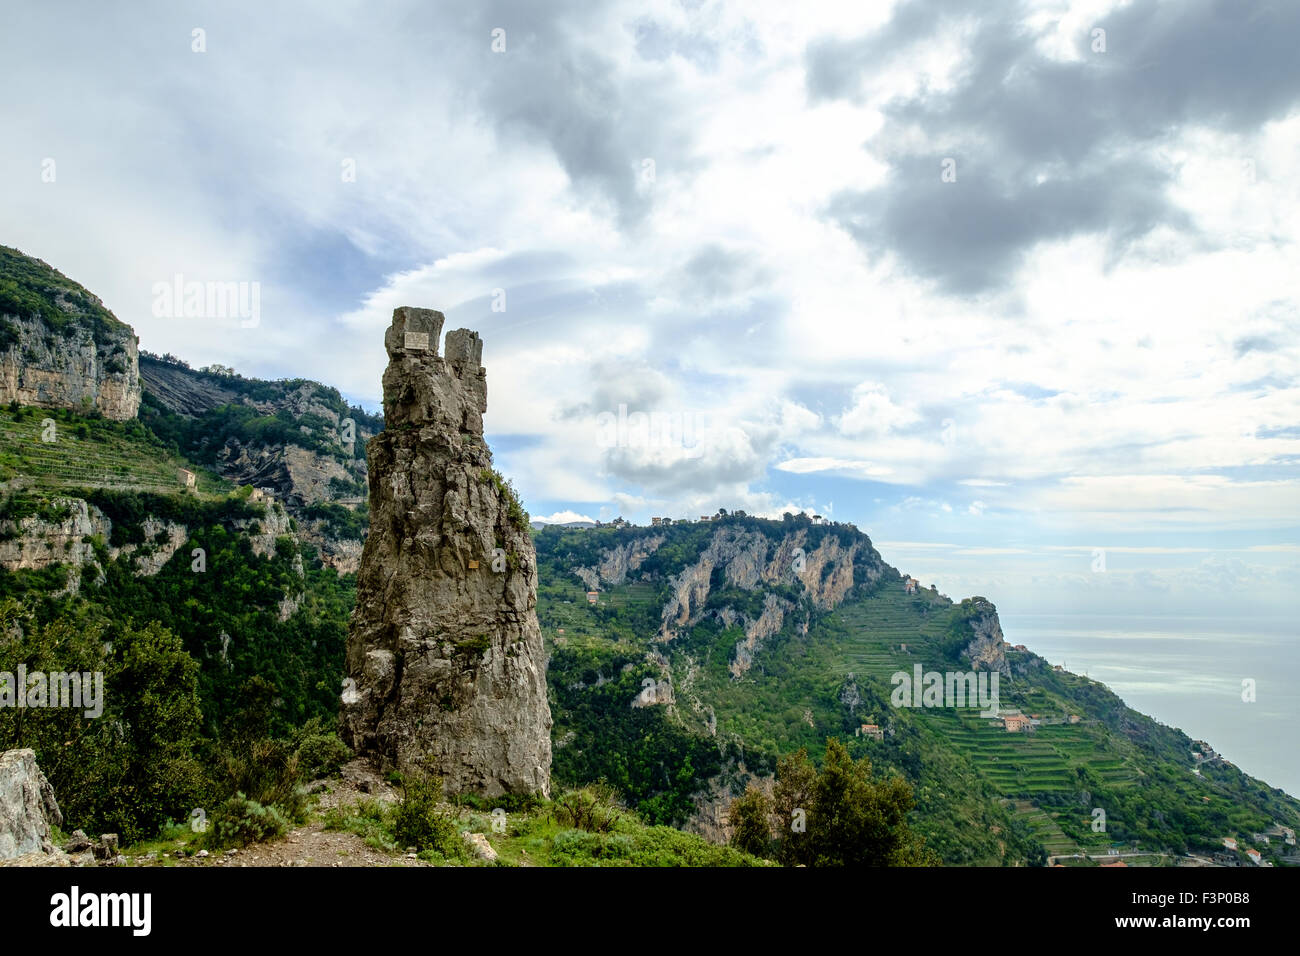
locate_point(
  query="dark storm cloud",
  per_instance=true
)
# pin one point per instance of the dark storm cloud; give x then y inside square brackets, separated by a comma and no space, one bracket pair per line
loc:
[1045,149]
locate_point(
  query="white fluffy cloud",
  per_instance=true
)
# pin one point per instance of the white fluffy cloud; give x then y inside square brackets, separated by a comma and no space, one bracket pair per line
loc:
[727,215]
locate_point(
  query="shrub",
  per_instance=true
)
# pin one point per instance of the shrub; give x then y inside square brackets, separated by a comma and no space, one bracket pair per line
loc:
[320,753]
[239,822]
[593,808]
[421,820]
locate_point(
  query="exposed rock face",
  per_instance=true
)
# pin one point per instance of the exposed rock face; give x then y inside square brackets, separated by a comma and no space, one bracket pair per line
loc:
[65,536]
[68,368]
[294,474]
[445,665]
[27,806]
[182,391]
[271,526]
[654,693]
[617,563]
[750,560]
[322,466]
[987,649]
[758,630]
[39,542]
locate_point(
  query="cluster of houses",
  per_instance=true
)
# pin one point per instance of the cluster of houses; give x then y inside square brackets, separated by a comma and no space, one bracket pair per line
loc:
[1233,848]
[1205,756]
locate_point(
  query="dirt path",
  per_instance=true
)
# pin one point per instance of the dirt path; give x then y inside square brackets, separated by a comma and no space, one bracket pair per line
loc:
[310,844]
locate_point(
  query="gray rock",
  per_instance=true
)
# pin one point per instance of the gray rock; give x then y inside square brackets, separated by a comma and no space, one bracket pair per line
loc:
[445,665]
[27,806]
[479,845]
[67,368]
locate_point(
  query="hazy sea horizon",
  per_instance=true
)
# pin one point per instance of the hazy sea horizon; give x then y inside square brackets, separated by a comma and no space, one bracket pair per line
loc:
[1187,672]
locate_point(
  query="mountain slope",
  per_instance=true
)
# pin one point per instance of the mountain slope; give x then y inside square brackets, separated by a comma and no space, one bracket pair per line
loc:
[59,346]
[716,646]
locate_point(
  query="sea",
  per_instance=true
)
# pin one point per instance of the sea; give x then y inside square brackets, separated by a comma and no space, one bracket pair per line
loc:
[1188,672]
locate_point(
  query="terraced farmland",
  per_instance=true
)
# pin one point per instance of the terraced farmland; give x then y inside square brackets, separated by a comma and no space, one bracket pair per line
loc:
[1045,829]
[99,459]
[893,631]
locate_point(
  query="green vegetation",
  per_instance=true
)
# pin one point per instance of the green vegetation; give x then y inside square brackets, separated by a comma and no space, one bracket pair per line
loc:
[423,821]
[239,822]
[136,764]
[982,795]
[340,521]
[223,696]
[838,816]
[89,451]
[29,288]
[515,512]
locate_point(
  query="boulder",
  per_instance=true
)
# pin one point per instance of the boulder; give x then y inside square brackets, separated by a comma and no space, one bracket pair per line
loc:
[27,806]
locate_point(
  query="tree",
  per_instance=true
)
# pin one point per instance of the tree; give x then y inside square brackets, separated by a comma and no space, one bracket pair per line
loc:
[795,777]
[851,818]
[750,817]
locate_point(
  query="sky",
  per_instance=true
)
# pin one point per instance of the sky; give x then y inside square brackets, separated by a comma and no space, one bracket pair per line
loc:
[1012,287]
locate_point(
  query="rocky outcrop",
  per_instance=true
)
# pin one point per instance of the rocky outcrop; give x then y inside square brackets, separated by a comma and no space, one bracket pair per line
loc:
[618,562]
[769,622]
[27,806]
[67,531]
[69,366]
[343,555]
[654,693]
[295,475]
[61,535]
[445,666]
[987,647]
[181,390]
[263,532]
[750,560]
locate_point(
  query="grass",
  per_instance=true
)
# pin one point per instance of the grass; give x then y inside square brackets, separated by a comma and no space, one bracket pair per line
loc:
[92,453]
[545,836]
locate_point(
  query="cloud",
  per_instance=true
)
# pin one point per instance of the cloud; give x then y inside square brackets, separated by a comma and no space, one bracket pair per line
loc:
[873,412]
[562,517]
[1045,148]
[840,466]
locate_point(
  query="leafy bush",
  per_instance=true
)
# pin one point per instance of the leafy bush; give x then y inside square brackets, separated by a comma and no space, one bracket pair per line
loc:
[592,808]
[751,824]
[368,819]
[240,822]
[320,753]
[421,820]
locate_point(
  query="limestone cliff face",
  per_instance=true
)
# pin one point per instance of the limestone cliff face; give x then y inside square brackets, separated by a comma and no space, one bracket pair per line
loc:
[617,563]
[68,368]
[752,561]
[66,533]
[987,647]
[445,665]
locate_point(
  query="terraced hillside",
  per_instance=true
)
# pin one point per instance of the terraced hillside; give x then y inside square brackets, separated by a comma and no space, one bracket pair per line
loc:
[983,794]
[90,453]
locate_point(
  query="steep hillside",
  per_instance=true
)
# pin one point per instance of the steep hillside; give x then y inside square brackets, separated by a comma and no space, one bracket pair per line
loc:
[297,439]
[59,346]
[714,647]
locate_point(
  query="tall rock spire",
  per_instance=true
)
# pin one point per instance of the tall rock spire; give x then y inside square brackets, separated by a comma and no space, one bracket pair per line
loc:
[445,665]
